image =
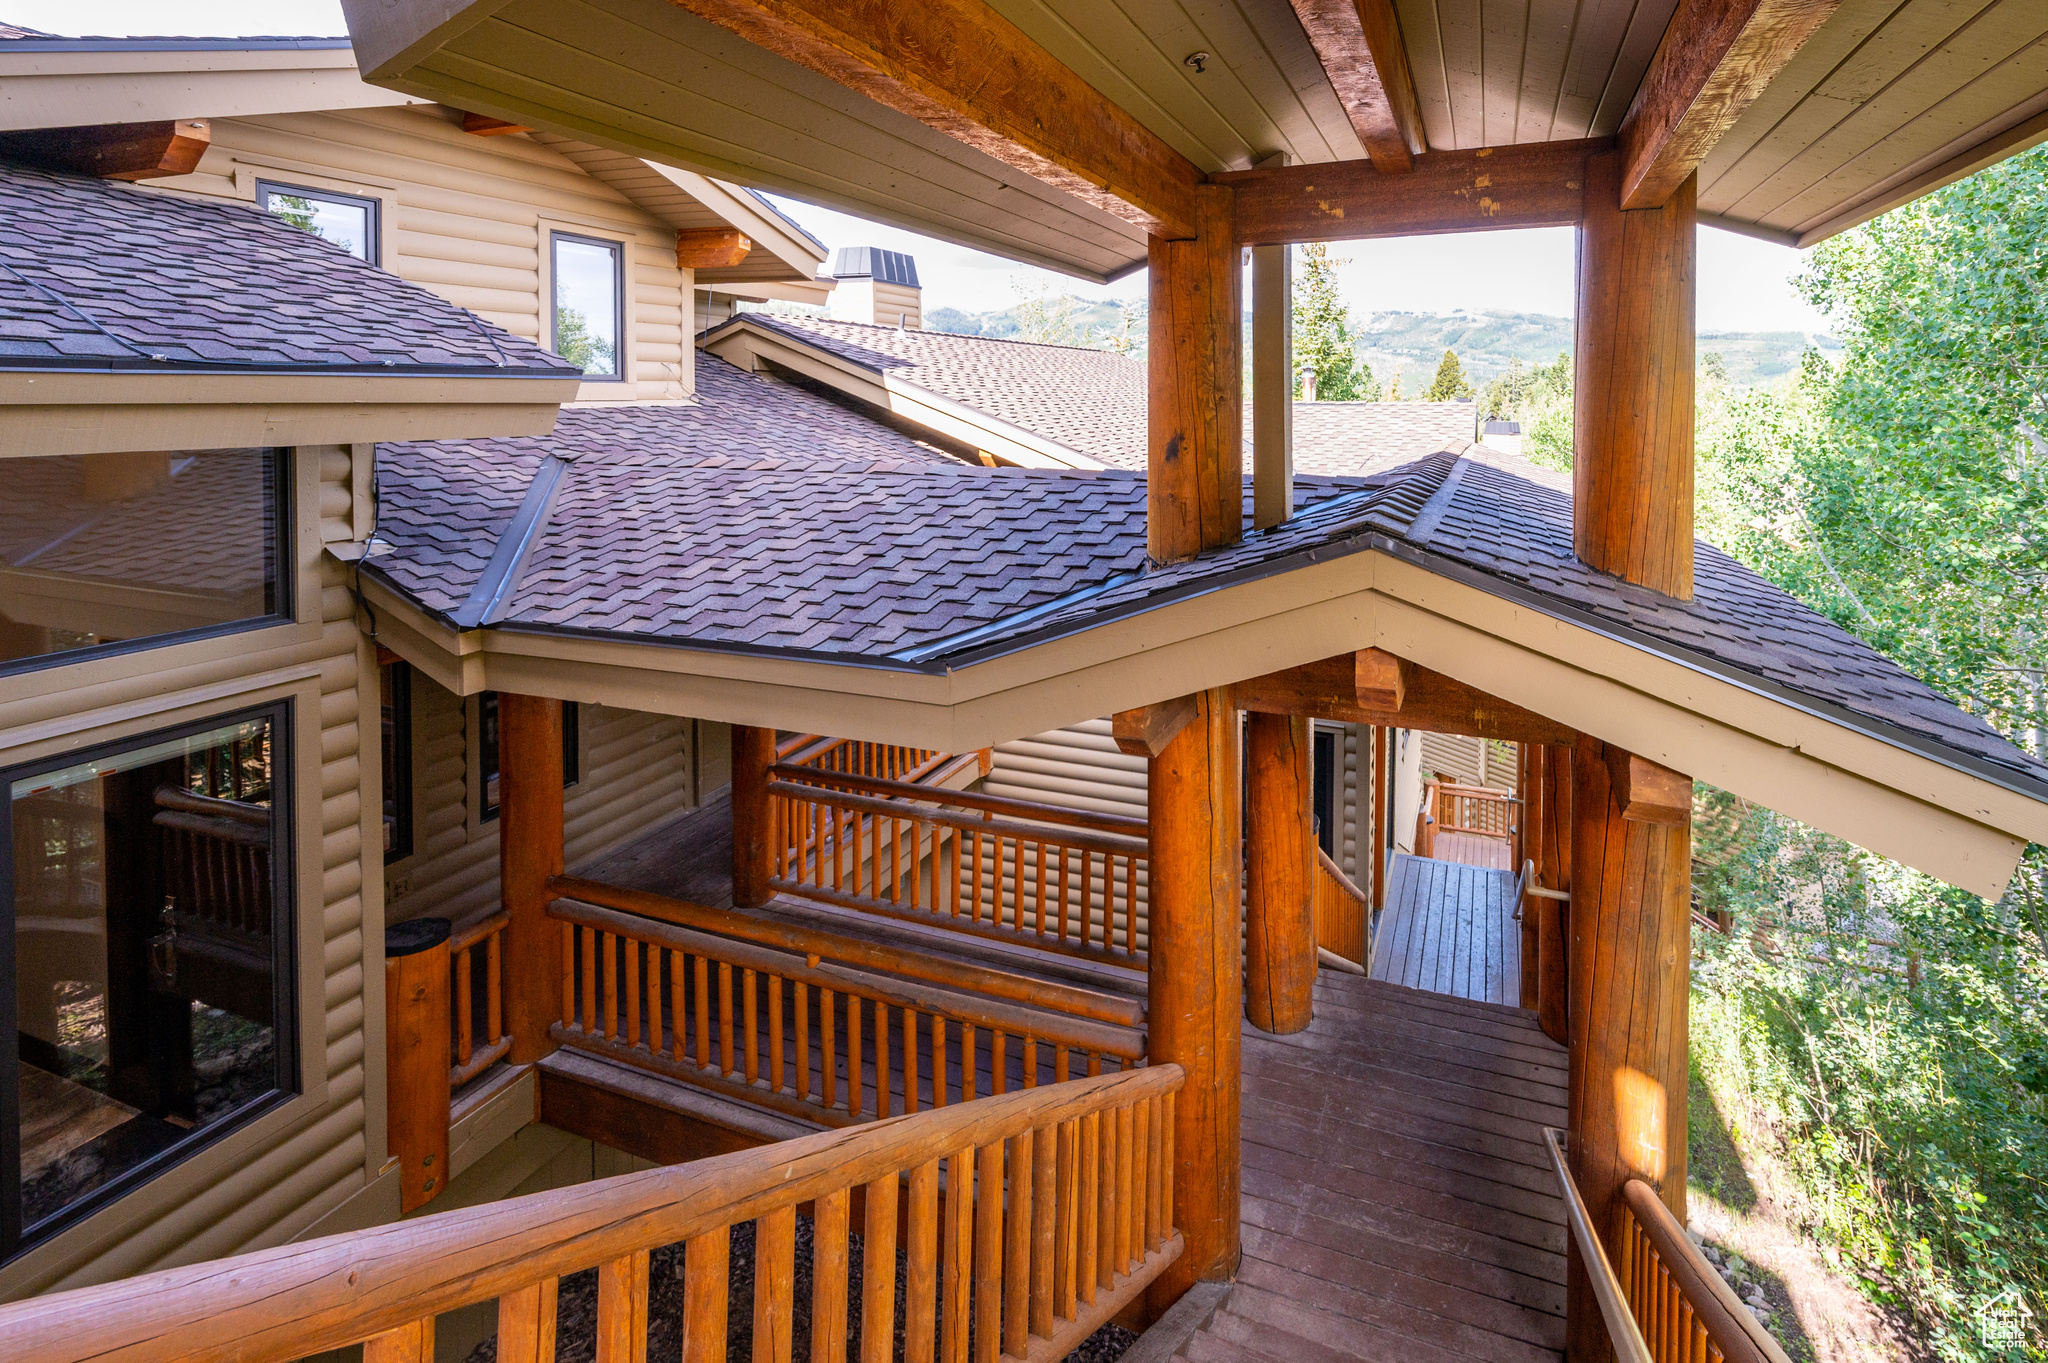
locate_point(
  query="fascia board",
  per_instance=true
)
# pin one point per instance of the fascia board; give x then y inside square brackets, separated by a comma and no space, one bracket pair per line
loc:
[742,211]
[73,89]
[815,292]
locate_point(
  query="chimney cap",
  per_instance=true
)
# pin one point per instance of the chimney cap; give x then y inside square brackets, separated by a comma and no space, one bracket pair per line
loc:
[872,262]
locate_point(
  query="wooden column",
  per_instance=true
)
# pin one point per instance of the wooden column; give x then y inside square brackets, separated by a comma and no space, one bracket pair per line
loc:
[529,854]
[1272,384]
[1195,981]
[1630,957]
[1195,388]
[1382,809]
[753,752]
[1550,796]
[1280,936]
[1632,476]
[1528,835]
[417,1056]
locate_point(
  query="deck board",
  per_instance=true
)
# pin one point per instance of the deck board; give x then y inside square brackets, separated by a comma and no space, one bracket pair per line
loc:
[1449,929]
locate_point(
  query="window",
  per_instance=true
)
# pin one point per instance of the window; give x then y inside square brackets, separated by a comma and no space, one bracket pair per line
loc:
[117,551]
[1323,791]
[344,219]
[394,683]
[148,947]
[590,288]
[487,750]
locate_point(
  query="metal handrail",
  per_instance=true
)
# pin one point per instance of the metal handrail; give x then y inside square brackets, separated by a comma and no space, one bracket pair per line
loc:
[1621,1323]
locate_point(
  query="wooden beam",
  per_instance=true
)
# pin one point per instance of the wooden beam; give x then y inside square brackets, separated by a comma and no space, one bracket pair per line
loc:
[1194,389]
[1537,184]
[711,248]
[1632,417]
[113,151]
[1280,867]
[1145,731]
[1647,793]
[530,853]
[1359,45]
[962,68]
[753,752]
[1349,686]
[483,125]
[1717,56]
[1272,385]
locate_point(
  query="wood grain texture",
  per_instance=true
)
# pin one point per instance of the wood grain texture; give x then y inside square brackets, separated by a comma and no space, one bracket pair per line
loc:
[962,68]
[710,248]
[1145,731]
[416,1071]
[1630,957]
[1632,464]
[1382,808]
[530,853]
[526,1324]
[1715,59]
[1647,792]
[1343,687]
[1280,934]
[114,151]
[1196,981]
[1550,805]
[753,753]
[1272,385]
[1534,185]
[1195,388]
[1359,45]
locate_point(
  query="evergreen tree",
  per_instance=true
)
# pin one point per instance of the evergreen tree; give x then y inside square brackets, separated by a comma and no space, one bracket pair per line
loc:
[1323,340]
[1450,383]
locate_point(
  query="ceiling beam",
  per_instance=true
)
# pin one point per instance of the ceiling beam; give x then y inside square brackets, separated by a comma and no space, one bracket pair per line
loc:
[711,248]
[114,151]
[963,69]
[1645,791]
[1538,184]
[1716,58]
[1355,688]
[1145,731]
[1359,45]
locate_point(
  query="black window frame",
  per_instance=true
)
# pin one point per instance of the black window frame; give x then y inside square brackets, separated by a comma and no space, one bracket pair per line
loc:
[618,251]
[15,1239]
[1323,807]
[399,772]
[373,244]
[487,753]
[282,565]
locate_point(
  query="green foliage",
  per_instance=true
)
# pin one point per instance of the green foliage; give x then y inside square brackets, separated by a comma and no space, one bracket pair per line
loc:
[575,343]
[1450,382]
[1323,338]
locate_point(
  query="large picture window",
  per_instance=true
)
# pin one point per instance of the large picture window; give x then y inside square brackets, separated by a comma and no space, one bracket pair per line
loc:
[590,290]
[346,220]
[113,551]
[147,952]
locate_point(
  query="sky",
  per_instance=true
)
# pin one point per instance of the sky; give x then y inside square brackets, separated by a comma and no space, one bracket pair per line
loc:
[1744,284]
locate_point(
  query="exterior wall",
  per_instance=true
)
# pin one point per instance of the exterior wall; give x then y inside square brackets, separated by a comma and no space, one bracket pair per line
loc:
[637,771]
[468,217]
[280,1174]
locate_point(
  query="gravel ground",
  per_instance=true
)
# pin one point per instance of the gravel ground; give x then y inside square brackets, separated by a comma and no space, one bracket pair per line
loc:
[576,1308]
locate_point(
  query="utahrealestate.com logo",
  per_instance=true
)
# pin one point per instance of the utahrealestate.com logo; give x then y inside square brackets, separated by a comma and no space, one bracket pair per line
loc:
[2003,1319]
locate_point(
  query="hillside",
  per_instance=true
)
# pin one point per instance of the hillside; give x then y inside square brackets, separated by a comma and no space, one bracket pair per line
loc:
[1413,342]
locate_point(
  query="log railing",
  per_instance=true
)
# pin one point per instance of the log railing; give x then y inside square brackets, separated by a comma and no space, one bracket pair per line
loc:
[1341,913]
[823,1042]
[1031,1219]
[1663,1303]
[884,761]
[479,1004]
[1064,880]
[1478,810]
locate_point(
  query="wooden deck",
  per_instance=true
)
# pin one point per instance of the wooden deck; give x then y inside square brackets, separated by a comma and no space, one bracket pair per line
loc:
[1450,929]
[1471,849]
[1398,1201]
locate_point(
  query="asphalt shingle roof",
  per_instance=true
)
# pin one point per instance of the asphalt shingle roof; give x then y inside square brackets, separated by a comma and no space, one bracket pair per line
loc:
[1340,438]
[98,275]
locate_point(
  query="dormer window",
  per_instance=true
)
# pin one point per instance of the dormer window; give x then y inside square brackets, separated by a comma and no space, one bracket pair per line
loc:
[590,291]
[344,219]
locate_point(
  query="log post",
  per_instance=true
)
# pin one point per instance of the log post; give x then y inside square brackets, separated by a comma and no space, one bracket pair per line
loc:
[529,855]
[1195,388]
[1195,980]
[753,752]
[1630,959]
[417,1059]
[1280,933]
[1272,385]
[1632,458]
[1528,837]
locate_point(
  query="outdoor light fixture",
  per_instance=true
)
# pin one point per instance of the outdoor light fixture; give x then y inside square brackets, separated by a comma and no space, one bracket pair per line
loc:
[1195,59]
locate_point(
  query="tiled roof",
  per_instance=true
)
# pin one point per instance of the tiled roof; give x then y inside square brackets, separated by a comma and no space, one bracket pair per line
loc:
[931,568]
[1349,438]
[97,275]
[1091,401]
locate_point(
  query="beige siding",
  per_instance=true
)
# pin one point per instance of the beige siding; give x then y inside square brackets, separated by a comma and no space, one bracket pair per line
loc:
[265,1183]
[468,217]
[1078,766]
[637,770]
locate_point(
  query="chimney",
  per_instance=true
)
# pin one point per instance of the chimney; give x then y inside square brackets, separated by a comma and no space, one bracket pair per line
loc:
[1308,383]
[876,286]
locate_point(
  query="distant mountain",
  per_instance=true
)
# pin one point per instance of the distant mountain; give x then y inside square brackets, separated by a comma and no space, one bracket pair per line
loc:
[1413,342]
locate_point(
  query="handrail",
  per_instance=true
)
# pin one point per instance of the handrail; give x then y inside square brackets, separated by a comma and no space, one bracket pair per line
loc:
[1658,1261]
[1332,918]
[969,799]
[1116,844]
[1621,1325]
[1106,1233]
[814,943]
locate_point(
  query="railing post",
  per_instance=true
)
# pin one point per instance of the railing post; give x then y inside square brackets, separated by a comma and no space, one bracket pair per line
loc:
[1280,937]
[1631,951]
[753,752]
[1382,811]
[416,1022]
[530,853]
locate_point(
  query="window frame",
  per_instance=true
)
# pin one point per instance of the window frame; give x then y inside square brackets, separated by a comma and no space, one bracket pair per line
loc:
[1326,780]
[373,227]
[572,754]
[284,569]
[619,247]
[281,712]
[399,769]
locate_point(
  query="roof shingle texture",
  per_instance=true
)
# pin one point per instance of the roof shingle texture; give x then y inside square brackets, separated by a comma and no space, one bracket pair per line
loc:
[1091,401]
[1348,438]
[893,564]
[99,275]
